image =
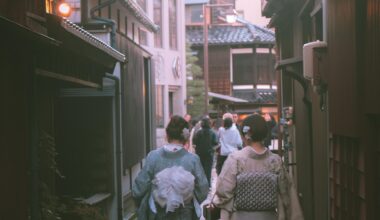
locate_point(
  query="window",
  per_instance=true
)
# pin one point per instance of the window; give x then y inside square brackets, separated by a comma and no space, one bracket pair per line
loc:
[196,14]
[171,104]
[265,67]
[109,12]
[133,30]
[118,19]
[243,72]
[143,37]
[157,16]
[126,25]
[99,11]
[173,24]
[318,25]
[160,106]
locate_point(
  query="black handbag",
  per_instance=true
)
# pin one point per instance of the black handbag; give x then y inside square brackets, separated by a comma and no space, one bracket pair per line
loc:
[210,211]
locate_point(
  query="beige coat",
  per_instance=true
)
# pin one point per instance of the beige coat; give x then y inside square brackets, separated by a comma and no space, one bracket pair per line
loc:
[245,160]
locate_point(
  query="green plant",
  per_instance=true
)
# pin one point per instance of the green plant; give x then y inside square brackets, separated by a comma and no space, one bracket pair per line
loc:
[47,146]
[195,83]
[87,212]
[51,206]
[80,211]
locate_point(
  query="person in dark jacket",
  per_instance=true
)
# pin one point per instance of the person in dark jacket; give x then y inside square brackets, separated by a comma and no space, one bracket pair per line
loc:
[271,123]
[205,140]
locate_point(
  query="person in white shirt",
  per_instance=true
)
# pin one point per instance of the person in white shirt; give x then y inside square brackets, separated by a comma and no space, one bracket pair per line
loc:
[230,141]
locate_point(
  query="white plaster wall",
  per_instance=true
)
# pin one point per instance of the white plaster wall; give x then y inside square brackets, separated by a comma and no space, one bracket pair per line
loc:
[75,15]
[163,60]
[103,36]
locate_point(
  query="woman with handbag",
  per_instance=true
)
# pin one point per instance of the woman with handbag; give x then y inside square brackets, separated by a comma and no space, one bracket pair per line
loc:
[253,184]
[172,183]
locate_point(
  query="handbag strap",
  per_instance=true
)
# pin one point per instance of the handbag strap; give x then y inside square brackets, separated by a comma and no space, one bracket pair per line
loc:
[212,199]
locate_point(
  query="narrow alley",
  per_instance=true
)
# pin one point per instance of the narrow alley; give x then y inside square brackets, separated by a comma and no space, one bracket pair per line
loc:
[100,98]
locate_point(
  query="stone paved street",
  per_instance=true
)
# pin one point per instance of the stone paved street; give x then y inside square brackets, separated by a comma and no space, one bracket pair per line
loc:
[213,184]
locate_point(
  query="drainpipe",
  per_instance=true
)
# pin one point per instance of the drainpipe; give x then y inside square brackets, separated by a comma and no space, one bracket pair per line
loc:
[295,76]
[324,19]
[109,21]
[119,189]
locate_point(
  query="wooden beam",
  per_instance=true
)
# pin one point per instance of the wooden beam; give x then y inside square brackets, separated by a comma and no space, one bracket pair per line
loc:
[58,76]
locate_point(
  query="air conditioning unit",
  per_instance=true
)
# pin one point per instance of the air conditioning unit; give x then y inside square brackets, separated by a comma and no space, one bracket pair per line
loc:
[308,59]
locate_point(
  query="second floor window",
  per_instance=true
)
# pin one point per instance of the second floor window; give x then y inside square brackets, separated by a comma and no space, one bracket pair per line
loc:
[133,31]
[143,37]
[126,25]
[160,106]
[157,16]
[197,14]
[173,25]
[118,19]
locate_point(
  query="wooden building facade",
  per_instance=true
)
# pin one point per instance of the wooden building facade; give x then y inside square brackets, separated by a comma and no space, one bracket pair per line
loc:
[125,26]
[336,120]
[241,58]
[55,146]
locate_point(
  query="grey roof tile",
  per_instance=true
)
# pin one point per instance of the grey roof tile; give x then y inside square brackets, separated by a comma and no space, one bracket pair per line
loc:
[192,2]
[141,15]
[230,34]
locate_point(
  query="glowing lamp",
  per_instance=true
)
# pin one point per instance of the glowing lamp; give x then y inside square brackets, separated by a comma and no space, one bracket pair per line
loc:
[64,9]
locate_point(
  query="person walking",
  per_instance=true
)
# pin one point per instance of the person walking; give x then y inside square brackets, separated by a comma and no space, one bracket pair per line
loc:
[172,183]
[204,141]
[271,124]
[230,141]
[253,183]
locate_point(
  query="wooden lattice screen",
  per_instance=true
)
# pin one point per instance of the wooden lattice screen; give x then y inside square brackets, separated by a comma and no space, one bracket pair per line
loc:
[347,179]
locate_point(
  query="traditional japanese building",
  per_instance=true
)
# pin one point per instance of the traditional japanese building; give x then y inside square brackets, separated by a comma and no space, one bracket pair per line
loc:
[328,53]
[58,114]
[241,61]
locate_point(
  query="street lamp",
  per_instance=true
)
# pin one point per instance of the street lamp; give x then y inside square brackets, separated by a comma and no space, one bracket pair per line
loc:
[230,18]
[64,9]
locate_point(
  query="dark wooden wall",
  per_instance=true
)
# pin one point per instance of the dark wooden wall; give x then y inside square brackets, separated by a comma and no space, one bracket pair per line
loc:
[342,77]
[320,159]
[16,10]
[354,110]
[84,145]
[15,136]
[345,144]
[347,179]
[219,70]
[303,149]
[133,105]
[372,47]
[370,91]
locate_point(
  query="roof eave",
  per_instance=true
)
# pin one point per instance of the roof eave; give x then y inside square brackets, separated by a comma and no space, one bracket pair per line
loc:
[140,15]
[234,43]
[58,27]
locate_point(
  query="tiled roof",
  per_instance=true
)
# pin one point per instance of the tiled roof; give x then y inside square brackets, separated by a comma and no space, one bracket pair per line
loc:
[88,37]
[257,96]
[246,33]
[226,97]
[193,2]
